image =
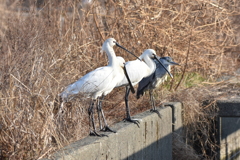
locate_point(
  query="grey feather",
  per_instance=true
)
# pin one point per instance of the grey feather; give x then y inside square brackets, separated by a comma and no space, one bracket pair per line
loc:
[156,78]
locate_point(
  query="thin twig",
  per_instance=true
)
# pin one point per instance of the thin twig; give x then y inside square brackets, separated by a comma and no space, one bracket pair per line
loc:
[186,63]
[95,20]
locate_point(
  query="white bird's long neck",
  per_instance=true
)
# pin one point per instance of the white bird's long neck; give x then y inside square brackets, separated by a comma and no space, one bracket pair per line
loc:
[150,63]
[112,60]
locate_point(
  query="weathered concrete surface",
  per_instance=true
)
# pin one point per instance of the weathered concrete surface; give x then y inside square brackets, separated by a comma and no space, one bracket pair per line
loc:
[152,141]
[229,107]
[177,111]
[229,129]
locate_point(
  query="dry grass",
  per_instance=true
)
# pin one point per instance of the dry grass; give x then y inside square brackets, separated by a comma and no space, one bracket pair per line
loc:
[182,150]
[43,50]
[200,119]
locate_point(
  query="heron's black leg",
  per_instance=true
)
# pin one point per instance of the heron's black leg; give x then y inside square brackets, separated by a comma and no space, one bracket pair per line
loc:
[106,127]
[128,118]
[98,112]
[90,112]
[152,99]
[91,119]
[153,104]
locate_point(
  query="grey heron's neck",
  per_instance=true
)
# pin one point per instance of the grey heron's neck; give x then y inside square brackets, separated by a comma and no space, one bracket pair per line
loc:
[167,65]
[112,59]
[169,68]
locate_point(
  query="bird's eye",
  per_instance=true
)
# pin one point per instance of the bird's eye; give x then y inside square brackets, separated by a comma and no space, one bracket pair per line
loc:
[114,41]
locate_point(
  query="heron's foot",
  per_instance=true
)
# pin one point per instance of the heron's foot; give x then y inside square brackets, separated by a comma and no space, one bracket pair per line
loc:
[156,111]
[132,121]
[94,133]
[107,129]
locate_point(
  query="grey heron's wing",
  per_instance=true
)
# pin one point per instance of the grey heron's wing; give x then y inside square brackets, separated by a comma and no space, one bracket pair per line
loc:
[144,84]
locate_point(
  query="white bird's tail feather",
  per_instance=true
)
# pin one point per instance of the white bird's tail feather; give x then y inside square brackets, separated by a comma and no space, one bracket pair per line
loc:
[70,90]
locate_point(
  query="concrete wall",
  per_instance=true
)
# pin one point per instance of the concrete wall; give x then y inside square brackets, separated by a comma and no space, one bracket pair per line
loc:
[229,129]
[152,141]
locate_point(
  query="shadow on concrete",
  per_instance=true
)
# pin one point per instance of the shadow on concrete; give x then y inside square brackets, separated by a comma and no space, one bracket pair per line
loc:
[161,149]
[229,125]
[229,129]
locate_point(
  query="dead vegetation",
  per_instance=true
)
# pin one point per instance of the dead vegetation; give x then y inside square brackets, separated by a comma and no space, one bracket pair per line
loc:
[200,119]
[46,45]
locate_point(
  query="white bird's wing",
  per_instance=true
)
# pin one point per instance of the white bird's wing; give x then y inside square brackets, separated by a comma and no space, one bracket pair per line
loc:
[136,71]
[95,81]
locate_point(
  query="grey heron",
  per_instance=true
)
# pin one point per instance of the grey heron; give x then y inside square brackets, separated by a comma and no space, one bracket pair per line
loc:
[155,79]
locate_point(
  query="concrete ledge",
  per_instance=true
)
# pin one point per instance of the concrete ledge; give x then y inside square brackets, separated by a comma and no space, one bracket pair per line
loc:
[229,128]
[229,108]
[153,140]
[177,109]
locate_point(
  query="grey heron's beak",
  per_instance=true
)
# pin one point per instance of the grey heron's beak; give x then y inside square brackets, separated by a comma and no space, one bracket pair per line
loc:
[127,50]
[174,63]
[163,66]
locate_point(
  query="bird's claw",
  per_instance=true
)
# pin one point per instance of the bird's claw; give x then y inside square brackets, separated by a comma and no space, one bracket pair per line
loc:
[132,121]
[94,133]
[156,111]
[107,129]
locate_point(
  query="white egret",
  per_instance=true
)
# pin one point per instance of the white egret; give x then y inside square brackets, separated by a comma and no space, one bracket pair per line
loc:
[155,79]
[98,82]
[137,70]
[100,99]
